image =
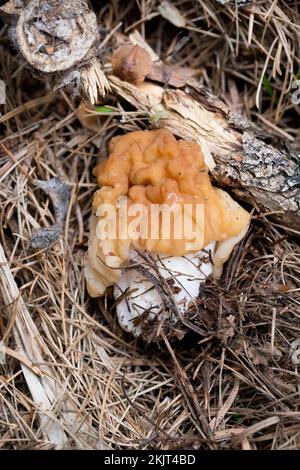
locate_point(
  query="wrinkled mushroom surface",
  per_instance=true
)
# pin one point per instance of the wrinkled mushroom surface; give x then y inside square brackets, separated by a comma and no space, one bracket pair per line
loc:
[153,167]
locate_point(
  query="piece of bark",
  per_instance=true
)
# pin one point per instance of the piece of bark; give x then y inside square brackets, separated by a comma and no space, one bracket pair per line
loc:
[59,194]
[259,167]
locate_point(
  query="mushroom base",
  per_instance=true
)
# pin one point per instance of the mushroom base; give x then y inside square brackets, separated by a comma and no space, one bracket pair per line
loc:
[156,288]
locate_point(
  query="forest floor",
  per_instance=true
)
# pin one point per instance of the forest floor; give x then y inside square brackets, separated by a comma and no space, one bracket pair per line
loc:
[236,386]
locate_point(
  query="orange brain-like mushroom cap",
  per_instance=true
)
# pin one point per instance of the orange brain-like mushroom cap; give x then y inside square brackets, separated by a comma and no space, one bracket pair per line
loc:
[152,167]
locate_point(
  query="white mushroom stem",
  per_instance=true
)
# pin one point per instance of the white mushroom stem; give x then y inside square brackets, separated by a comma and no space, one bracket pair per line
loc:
[140,299]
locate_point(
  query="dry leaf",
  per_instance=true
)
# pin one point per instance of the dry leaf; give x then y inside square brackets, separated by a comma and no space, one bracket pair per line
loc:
[88,118]
[171,74]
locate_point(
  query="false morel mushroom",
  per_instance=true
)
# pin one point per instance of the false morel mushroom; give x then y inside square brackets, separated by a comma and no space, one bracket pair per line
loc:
[152,182]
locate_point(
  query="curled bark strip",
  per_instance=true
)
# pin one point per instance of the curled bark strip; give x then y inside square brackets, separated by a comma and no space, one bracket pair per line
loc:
[59,194]
[54,36]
